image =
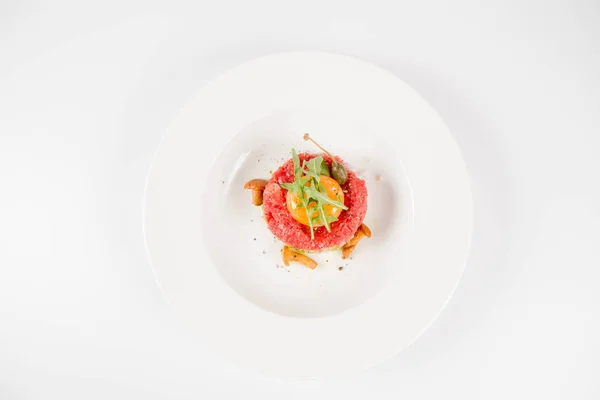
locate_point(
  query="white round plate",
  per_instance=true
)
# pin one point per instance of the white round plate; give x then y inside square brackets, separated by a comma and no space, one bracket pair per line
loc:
[220,267]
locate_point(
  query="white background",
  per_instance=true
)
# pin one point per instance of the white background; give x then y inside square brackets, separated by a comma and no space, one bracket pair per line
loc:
[87,90]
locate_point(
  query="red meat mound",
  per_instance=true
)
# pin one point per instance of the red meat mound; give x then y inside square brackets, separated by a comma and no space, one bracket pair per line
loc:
[297,235]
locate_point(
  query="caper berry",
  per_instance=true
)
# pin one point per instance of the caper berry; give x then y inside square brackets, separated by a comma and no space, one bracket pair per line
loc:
[339,172]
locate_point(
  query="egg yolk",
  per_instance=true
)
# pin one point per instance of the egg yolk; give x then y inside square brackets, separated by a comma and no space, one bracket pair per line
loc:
[332,188]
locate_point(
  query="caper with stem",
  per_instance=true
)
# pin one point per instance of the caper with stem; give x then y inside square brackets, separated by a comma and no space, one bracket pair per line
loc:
[337,169]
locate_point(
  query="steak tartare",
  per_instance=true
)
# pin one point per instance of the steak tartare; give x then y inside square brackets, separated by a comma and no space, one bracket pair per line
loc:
[290,231]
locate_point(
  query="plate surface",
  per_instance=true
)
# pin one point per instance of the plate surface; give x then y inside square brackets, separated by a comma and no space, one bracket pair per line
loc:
[219,266]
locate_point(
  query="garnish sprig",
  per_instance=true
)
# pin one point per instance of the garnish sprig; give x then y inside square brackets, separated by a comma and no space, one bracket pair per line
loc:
[337,169]
[312,195]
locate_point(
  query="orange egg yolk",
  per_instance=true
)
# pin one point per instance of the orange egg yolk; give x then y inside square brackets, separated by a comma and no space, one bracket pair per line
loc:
[298,212]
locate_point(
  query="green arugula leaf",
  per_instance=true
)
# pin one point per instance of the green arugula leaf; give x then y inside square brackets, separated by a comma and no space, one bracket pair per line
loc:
[325,168]
[312,175]
[331,218]
[297,168]
[304,180]
[323,198]
[314,165]
[318,166]
[323,217]
[292,187]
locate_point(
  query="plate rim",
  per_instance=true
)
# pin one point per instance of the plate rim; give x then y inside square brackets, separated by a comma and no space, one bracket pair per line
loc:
[309,55]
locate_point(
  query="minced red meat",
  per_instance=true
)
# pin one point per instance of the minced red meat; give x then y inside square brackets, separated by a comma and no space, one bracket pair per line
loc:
[297,235]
